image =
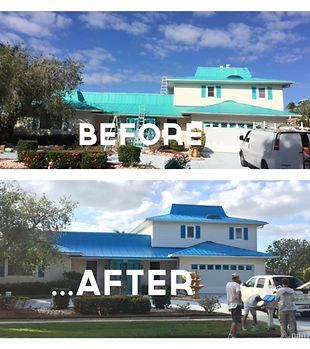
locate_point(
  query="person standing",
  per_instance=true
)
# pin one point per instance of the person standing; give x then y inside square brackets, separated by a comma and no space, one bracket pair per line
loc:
[286,309]
[250,305]
[234,302]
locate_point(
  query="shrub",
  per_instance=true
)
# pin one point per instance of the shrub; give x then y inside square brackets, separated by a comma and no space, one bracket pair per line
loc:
[210,304]
[162,302]
[108,305]
[183,308]
[48,139]
[7,303]
[129,154]
[173,144]
[64,159]
[307,274]
[94,160]
[72,280]
[35,159]
[24,145]
[59,301]
[178,162]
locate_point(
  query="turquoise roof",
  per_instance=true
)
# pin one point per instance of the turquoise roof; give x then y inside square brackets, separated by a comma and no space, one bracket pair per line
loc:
[157,105]
[231,75]
[201,214]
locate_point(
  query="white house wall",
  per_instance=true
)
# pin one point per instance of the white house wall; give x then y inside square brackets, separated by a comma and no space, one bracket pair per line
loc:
[214,281]
[189,94]
[167,234]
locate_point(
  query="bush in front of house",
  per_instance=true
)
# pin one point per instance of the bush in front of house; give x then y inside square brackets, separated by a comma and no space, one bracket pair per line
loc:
[35,159]
[129,155]
[173,144]
[61,301]
[7,303]
[24,145]
[210,304]
[110,305]
[162,302]
[94,160]
[64,159]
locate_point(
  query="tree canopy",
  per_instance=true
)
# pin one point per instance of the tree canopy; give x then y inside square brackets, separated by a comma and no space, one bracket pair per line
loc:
[302,108]
[34,86]
[293,256]
[28,224]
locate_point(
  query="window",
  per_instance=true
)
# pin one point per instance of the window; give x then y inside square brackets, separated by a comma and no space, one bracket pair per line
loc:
[238,233]
[190,232]
[240,267]
[194,266]
[251,282]
[210,91]
[172,131]
[233,267]
[210,266]
[202,267]
[218,267]
[260,283]
[225,267]
[261,92]
[248,267]
[47,122]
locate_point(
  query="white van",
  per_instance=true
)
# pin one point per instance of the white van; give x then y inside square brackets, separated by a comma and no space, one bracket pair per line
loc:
[268,284]
[280,148]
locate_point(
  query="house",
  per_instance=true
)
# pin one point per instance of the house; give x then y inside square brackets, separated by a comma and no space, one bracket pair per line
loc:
[191,237]
[223,101]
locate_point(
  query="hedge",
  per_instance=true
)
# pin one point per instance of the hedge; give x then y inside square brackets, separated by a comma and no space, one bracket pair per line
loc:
[64,159]
[108,305]
[61,302]
[45,139]
[129,155]
[7,303]
[24,145]
[173,144]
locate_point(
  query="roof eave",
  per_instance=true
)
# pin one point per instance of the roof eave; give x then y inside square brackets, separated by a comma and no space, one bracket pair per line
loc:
[218,256]
[249,82]
[217,113]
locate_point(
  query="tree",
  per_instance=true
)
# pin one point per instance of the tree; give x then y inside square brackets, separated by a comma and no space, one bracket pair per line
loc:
[303,109]
[28,227]
[34,87]
[293,256]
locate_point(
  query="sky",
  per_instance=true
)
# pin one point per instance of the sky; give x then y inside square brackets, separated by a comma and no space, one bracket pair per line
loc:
[105,206]
[130,52]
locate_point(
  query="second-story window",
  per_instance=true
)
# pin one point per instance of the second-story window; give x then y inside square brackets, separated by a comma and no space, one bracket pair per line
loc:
[262,92]
[238,233]
[190,232]
[210,91]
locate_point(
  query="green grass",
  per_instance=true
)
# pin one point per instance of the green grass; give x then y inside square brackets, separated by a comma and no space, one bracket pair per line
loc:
[134,329]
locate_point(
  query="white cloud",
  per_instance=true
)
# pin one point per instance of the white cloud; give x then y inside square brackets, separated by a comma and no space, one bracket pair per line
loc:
[10,38]
[205,14]
[107,20]
[35,24]
[103,78]
[39,46]
[93,58]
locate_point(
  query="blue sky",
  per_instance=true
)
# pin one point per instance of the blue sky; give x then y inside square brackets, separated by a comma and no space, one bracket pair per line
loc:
[130,52]
[108,205]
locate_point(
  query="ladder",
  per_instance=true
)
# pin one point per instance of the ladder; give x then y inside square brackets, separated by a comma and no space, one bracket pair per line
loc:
[116,122]
[140,122]
[164,86]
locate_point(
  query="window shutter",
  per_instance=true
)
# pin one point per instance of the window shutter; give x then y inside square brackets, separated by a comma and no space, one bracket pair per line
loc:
[218,92]
[203,91]
[254,93]
[41,272]
[35,123]
[269,91]
[2,265]
[231,233]
[182,231]
[197,231]
[245,233]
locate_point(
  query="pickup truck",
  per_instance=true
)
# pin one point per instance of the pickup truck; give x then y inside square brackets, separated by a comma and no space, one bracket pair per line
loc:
[268,284]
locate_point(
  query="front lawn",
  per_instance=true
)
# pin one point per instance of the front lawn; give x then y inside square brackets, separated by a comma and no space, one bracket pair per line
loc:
[134,329]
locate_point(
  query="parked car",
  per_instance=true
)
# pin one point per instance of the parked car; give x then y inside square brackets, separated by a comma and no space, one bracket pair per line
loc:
[275,148]
[268,284]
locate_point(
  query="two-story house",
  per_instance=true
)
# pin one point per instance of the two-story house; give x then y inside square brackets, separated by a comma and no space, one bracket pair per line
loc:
[223,101]
[191,237]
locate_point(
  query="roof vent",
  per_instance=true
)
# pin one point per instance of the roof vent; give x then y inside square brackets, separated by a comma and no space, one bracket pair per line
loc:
[227,65]
[213,216]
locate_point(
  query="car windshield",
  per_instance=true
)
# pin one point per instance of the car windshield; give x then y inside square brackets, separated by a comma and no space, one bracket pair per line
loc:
[293,282]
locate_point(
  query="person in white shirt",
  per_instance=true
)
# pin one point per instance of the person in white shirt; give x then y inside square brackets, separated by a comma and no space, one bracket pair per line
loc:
[234,302]
[250,305]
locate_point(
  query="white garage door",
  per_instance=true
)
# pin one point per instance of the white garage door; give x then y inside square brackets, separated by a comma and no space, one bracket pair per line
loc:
[224,137]
[214,277]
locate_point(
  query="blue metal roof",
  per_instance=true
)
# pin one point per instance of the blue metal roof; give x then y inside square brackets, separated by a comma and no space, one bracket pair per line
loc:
[201,214]
[212,249]
[111,245]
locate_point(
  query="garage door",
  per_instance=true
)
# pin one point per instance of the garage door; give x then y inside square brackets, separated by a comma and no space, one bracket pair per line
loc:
[214,277]
[224,137]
